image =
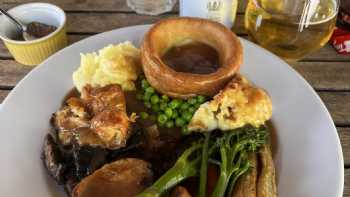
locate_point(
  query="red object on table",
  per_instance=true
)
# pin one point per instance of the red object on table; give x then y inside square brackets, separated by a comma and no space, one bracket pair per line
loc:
[341,41]
[341,36]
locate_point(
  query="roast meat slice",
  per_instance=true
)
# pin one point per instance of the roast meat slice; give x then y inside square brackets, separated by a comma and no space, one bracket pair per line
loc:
[122,178]
[106,97]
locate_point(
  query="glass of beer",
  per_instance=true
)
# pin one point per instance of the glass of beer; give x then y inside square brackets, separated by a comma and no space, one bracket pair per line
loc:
[291,28]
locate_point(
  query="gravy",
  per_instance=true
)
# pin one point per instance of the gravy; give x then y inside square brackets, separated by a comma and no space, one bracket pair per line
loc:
[195,57]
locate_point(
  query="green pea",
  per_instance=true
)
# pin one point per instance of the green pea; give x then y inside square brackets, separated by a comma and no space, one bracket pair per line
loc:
[162,119]
[175,114]
[154,99]
[144,115]
[187,116]
[155,108]
[180,122]
[185,130]
[147,104]
[162,106]
[192,109]
[192,101]
[144,83]
[150,90]
[168,112]
[175,103]
[139,96]
[169,124]
[147,96]
[165,98]
[201,99]
[185,106]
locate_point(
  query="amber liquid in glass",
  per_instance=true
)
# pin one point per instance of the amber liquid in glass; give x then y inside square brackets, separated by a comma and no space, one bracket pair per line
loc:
[290,36]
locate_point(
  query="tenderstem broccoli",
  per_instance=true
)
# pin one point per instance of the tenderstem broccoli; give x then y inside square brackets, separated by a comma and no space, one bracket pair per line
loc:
[229,151]
[233,148]
[186,166]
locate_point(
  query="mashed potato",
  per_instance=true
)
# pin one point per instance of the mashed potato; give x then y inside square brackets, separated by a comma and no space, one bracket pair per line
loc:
[114,64]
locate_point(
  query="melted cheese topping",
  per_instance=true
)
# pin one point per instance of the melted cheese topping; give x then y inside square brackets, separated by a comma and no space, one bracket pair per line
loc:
[238,104]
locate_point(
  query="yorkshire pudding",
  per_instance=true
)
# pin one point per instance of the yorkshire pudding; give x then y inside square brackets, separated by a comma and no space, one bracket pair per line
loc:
[176,31]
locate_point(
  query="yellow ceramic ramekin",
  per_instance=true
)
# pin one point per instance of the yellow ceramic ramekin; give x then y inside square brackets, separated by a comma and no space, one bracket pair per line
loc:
[35,51]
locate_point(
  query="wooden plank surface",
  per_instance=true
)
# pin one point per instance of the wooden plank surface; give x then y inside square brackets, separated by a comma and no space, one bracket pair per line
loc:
[338,104]
[344,135]
[326,53]
[325,75]
[96,5]
[347,183]
[11,72]
[3,94]
[97,22]
[101,22]
[83,5]
[90,23]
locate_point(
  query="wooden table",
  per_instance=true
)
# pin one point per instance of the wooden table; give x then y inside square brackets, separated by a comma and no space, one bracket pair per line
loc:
[325,70]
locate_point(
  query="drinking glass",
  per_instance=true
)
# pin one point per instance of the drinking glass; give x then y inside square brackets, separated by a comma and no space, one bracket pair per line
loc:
[291,28]
[151,7]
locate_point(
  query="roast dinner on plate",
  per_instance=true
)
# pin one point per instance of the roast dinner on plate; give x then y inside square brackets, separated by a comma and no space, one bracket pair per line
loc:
[172,118]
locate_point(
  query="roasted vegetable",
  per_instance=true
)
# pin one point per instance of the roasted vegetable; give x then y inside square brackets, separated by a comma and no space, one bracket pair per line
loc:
[246,185]
[180,192]
[267,181]
[87,159]
[53,159]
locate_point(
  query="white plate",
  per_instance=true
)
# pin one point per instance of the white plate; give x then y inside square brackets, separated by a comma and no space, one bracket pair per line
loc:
[309,157]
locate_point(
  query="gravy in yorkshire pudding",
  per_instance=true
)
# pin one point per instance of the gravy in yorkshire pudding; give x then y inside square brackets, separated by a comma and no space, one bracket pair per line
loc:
[194,57]
[168,42]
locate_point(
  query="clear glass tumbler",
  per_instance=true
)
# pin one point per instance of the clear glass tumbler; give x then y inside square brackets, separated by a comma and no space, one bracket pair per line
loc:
[151,7]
